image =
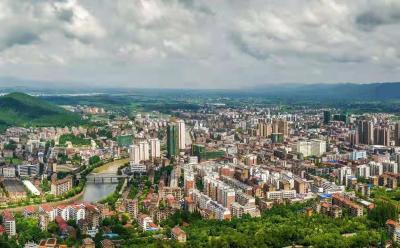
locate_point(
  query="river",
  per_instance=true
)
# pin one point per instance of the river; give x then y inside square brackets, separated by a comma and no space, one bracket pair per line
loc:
[97,191]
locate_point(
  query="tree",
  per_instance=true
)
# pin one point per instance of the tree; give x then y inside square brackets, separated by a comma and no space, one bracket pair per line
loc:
[383,211]
[94,159]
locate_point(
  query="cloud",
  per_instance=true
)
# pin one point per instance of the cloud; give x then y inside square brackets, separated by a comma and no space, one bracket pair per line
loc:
[379,13]
[202,43]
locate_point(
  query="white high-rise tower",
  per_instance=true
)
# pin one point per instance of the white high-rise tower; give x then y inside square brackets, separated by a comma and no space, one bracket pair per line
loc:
[134,155]
[144,151]
[182,134]
[154,148]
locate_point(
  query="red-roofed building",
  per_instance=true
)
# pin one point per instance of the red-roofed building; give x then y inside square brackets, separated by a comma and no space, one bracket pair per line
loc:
[178,234]
[341,201]
[29,211]
[48,210]
[393,229]
[9,223]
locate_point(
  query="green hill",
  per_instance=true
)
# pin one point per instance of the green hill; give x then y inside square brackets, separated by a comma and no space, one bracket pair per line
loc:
[19,109]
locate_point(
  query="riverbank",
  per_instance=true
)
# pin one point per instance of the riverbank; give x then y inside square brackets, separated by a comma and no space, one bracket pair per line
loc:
[70,200]
[109,167]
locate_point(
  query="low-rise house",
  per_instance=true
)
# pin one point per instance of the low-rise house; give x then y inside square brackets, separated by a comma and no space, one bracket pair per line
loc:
[178,234]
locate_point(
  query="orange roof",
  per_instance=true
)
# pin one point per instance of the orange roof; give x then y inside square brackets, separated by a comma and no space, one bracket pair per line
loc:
[391,222]
[345,200]
[326,205]
[153,225]
[177,231]
[30,209]
[7,216]
[46,207]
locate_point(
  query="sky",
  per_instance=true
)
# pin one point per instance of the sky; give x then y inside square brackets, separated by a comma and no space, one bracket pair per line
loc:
[198,43]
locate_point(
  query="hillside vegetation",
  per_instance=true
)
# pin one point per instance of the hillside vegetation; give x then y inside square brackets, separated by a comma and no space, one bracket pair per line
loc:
[19,109]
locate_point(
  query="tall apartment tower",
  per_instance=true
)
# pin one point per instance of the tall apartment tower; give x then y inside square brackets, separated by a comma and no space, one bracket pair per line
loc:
[396,135]
[144,151]
[264,129]
[381,136]
[366,132]
[280,126]
[134,154]
[181,134]
[354,138]
[327,117]
[154,148]
[172,140]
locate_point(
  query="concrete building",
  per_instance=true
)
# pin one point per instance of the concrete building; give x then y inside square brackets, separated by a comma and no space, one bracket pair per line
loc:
[9,223]
[144,154]
[181,134]
[59,187]
[134,156]
[155,148]
[311,148]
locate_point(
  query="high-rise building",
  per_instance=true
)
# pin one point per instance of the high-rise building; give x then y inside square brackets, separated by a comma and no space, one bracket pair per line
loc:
[396,135]
[381,136]
[264,129]
[283,127]
[366,132]
[327,117]
[172,140]
[280,126]
[134,154]
[354,138]
[144,151]
[188,183]
[181,134]
[154,148]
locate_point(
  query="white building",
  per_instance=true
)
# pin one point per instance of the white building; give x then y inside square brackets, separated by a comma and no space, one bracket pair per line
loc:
[137,168]
[311,147]
[390,166]
[154,148]
[375,168]
[9,223]
[134,154]
[63,212]
[144,151]
[31,187]
[281,195]
[26,170]
[182,134]
[76,212]
[363,171]
[343,173]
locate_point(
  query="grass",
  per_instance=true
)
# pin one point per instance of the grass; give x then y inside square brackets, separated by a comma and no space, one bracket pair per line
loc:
[109,167]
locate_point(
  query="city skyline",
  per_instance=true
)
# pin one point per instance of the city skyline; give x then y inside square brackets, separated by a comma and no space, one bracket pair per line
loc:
[197,44]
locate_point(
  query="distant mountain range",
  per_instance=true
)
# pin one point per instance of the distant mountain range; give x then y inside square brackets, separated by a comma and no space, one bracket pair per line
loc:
[19,109]
[350,91]
[291,91]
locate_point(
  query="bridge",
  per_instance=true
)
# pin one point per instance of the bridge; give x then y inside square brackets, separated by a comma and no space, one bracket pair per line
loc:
[105,178]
